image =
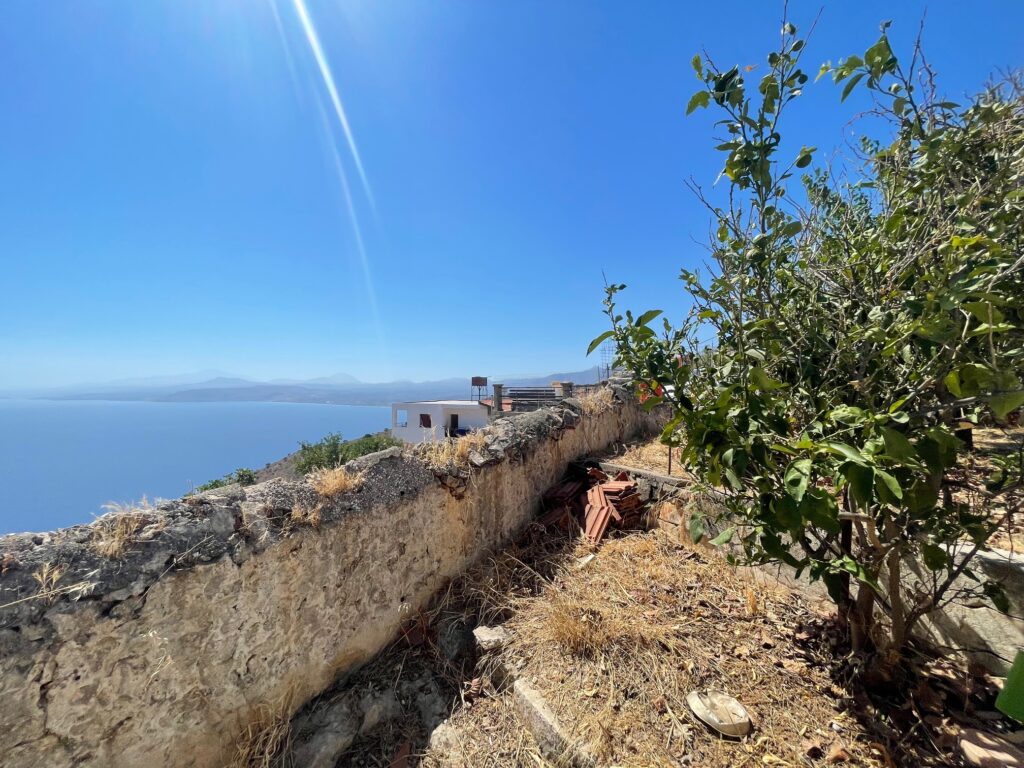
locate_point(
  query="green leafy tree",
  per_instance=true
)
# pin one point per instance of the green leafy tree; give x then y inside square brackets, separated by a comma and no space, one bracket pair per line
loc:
[242,476]
[334,450]
[846,323]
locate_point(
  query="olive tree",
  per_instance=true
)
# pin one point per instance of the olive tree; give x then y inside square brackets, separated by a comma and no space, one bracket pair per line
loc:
[845,324]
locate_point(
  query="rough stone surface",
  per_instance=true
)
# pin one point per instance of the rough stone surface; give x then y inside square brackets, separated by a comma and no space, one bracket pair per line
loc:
[321,736]
[987,750]
[490,638]
[554,740]
[987,636]
[455,638]
[444,739]
[223,604]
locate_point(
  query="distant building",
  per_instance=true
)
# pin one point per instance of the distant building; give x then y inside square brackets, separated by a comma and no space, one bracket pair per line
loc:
[426,420]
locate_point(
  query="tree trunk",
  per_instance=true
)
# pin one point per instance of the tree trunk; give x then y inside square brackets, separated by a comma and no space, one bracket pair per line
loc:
[862,620]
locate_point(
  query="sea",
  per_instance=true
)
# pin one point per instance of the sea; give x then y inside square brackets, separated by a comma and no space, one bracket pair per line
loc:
[62,460]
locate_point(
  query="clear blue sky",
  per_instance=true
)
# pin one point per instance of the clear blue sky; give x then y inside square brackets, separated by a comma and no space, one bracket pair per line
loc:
[171,200]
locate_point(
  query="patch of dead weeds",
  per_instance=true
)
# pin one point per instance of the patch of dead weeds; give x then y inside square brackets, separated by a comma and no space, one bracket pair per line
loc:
[616,646]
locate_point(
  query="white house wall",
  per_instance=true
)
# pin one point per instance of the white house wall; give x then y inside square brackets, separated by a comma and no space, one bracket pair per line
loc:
[471,416]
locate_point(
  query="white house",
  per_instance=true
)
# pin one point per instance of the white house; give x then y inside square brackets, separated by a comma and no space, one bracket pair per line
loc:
[423,420]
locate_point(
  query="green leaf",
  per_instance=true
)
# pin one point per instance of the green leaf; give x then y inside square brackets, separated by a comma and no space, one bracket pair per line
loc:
[797,477]
[986,328]
[805,157]
[1003,405]
[921,498]
[819,508]
[846,451]
[952,382]
[786,513]
[724,537]
[851,85]
[984,311]
[861,480]
[652,402]
[935,557]
[763,381]
[898,447]
[647,316]
[995,592]
[599,341]
[772,544]
[698,66]
[696,527]
[851,566]
[699,99]
[848,414]
[888,485]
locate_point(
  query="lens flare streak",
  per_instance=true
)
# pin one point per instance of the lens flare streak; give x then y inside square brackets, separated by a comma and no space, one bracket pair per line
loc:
[332,91]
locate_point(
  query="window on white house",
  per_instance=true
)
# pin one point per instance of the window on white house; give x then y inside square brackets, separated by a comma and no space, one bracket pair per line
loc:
[425,421]
[401,418]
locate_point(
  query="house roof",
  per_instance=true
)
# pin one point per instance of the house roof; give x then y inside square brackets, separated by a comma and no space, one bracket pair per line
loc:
[506,403]
[461,403]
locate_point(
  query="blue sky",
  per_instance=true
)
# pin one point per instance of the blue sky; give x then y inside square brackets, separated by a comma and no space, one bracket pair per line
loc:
[171,198]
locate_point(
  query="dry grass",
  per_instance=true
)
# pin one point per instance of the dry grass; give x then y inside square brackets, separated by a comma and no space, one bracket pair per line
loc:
[615,644]
[334,482]
[649,454]
[113,532]
[309,516]
[595,401]
[265,742]
[451,452]
[47,576]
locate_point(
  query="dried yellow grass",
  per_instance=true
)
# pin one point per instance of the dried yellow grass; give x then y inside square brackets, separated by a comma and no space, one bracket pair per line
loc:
[615,643]
[452,452]
[615,646]
[650,454]
[595,401]
[266,740]
[305,515]
[334,482]
[48,577]
[114,531]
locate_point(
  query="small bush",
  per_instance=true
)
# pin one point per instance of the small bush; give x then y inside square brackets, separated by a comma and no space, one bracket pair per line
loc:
[595,401]
[306,515]
[334,450]
[335,481]
[451,452]
[116,530]
[242,476]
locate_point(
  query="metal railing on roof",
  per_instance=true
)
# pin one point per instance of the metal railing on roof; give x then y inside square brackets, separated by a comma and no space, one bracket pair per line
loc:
[532,398]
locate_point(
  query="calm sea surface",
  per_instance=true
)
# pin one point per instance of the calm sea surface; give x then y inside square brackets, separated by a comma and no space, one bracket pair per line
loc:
[60,461]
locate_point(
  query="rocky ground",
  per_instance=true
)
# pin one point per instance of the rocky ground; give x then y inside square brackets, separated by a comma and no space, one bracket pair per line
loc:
[554,653]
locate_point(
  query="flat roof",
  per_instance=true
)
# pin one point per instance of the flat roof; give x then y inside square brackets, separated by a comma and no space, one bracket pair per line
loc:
[440,402]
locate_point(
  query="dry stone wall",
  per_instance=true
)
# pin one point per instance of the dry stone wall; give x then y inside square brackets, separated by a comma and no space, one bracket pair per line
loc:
[225,606]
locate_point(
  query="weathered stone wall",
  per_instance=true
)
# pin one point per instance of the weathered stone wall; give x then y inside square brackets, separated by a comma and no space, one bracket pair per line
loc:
[227,603]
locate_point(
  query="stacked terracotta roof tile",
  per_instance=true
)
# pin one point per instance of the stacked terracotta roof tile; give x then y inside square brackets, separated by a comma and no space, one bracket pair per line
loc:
[605,502]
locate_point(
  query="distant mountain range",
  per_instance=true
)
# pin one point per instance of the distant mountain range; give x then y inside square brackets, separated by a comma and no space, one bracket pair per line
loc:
[342,389]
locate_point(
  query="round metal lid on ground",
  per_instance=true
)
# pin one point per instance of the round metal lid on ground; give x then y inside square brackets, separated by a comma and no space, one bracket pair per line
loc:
[720,712]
